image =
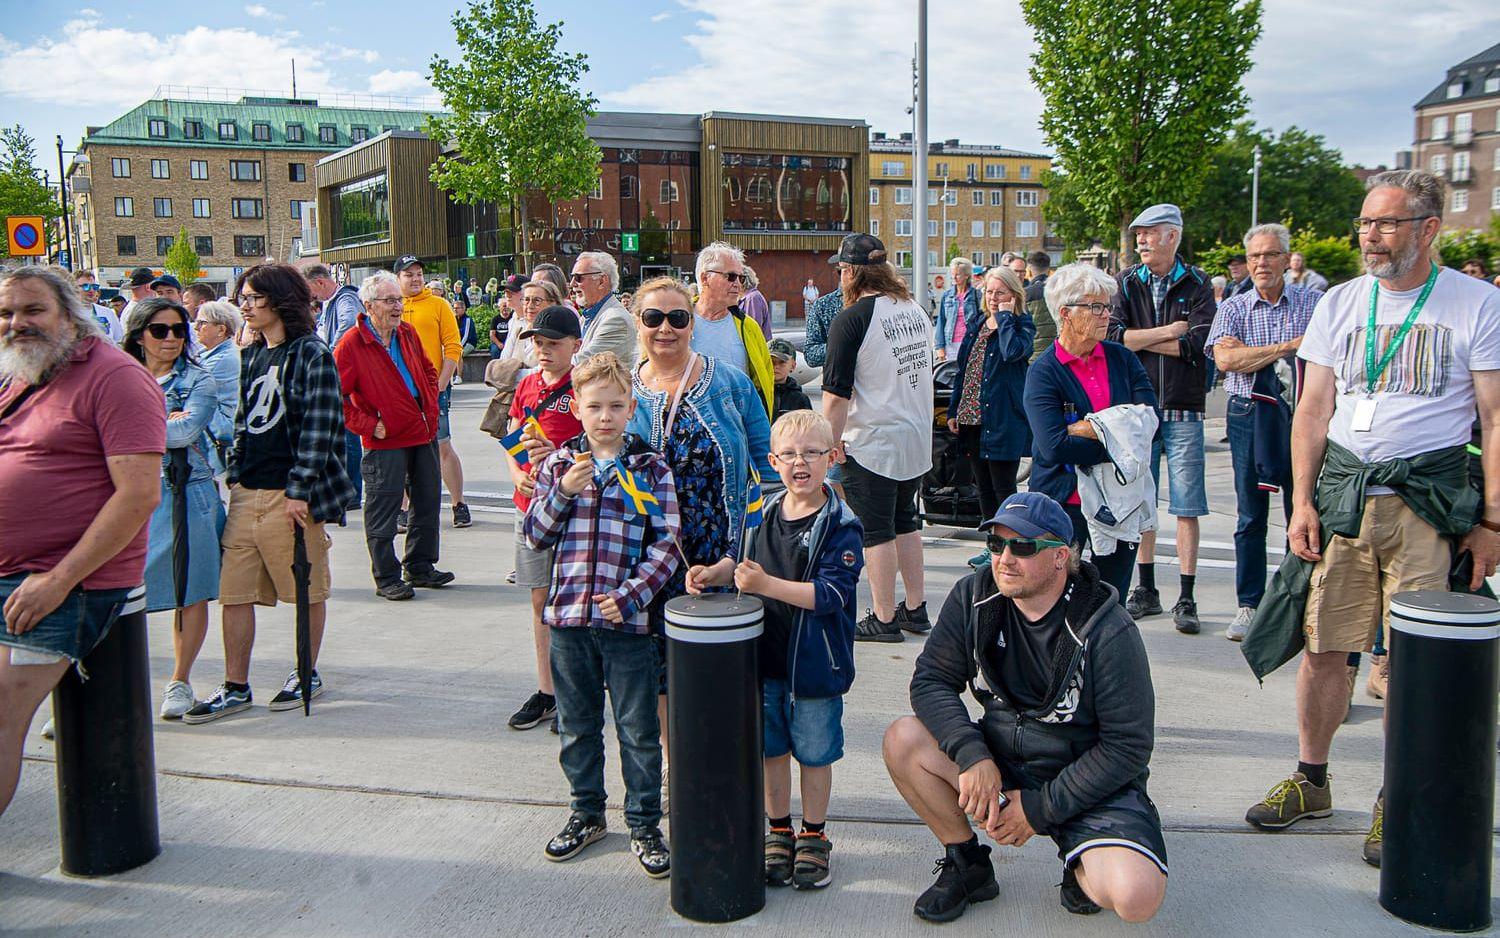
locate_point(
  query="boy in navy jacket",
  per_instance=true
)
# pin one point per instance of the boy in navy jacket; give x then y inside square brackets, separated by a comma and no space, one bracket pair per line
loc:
[804,563]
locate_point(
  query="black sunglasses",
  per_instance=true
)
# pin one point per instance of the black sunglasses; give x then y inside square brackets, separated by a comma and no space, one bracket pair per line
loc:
[1021,547]
[160,330]
[730,275]
[678,318]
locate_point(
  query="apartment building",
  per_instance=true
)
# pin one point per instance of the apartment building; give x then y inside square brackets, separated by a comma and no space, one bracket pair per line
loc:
[1457,137]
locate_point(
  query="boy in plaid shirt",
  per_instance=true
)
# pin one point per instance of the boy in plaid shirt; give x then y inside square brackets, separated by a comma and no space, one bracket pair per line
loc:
[611,559]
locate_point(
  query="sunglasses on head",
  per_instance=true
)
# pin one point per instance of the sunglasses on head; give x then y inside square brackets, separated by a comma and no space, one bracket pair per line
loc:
[1021,547]
[678,318]
[160,330]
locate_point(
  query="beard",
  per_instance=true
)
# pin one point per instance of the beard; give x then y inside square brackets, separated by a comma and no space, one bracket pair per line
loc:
[1393,263]
[30,355]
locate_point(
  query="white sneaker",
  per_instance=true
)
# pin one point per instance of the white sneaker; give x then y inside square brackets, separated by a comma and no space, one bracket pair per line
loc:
[176,700]
[1240,625]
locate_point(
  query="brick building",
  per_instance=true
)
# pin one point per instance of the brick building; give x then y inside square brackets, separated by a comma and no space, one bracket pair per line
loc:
[1457,137]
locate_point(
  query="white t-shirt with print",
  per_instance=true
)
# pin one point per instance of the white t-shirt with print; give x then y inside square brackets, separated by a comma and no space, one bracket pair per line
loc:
[1424,400]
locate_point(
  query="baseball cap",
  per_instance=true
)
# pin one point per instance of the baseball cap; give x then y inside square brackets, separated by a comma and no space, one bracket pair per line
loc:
[859,249]
[782,349]
[555,322]
[515,282]
[167,280]
[141,277]
[1032,514]
[405,261]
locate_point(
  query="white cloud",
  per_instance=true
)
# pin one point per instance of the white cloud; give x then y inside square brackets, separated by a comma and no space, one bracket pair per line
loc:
[260,11]
[658,17]
[404,82]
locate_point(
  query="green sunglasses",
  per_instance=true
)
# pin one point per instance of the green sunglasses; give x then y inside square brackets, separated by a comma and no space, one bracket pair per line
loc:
[1021,547]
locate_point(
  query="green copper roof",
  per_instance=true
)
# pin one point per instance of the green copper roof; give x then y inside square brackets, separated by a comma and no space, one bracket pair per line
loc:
[272,118]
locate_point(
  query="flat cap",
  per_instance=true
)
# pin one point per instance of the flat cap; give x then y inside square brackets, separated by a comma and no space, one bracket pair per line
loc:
[1164,214]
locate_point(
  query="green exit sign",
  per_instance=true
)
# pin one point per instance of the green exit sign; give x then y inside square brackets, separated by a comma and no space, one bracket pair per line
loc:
[469,243]
[630,242]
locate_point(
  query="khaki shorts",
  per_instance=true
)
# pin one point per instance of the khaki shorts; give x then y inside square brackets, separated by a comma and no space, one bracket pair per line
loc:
[1351,589]
[258,552]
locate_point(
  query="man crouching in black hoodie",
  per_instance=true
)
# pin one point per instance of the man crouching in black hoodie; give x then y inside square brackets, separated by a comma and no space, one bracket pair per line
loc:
[1062,749]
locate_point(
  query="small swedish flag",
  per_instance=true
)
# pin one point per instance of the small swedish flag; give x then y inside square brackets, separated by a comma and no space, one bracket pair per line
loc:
[512,440]
[639,498]
[754,501]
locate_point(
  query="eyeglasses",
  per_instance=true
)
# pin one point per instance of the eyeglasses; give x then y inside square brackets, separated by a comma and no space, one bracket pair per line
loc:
[203,323]
[394,300]
[1020,547]
[1384,225]
[677,318]
[730,275]
[1264,256]
[1095,309]
[808,456]
[533,300]
[160,330]
[89,287]
[252,299]
[578,275]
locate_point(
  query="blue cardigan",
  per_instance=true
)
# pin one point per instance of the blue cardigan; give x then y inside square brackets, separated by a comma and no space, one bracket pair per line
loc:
[1003,432]
[1050,388]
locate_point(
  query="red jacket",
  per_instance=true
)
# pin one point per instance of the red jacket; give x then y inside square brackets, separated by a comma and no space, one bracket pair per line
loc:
[374,390]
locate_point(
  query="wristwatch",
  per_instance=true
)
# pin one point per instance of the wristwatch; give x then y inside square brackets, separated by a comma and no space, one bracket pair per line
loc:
[1489,525]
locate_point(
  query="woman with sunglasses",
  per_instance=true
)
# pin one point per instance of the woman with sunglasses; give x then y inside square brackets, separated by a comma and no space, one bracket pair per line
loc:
[156,334]
[217,324]
[1080,374]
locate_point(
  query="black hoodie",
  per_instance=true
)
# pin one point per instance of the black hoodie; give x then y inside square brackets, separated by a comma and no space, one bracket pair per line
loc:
[1091,737]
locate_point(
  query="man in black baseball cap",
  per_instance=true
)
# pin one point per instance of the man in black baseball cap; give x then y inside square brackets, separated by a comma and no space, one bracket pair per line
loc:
[860,249]
[168,287]
[514,283]
[408,260]
[555,322]
[139,286]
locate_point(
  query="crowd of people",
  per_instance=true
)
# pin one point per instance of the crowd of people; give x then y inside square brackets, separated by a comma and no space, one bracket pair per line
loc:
[661,447]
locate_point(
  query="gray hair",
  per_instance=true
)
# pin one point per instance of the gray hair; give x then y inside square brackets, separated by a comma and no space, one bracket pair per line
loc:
[1424,191]
[607,264]
[1070,283]
[1283,237]
[64,291]
[368,285]
[317,272]
[751,280]
[961,263]
[717,251]
[1220,281]
[222,313]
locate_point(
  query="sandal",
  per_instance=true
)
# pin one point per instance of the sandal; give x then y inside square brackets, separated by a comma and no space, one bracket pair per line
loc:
[779,850]
[811,870]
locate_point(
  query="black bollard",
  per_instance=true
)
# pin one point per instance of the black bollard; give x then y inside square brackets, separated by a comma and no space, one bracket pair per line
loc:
[106,766]
[717,785]
[1440,759]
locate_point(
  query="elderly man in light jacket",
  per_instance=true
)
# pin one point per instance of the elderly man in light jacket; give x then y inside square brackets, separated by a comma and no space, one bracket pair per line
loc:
[607,325]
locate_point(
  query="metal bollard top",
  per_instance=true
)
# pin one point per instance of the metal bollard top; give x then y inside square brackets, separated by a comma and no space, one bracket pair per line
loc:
[1440,614]
[715,618]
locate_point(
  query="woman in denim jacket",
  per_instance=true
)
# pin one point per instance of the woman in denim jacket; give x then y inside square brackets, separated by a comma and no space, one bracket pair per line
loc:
[156,334]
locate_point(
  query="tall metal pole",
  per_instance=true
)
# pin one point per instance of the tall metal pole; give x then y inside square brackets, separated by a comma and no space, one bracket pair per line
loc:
[919,164]
[62,197]
[1255,189]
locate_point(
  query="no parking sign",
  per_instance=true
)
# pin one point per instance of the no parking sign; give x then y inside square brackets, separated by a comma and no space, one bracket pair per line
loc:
[25,234]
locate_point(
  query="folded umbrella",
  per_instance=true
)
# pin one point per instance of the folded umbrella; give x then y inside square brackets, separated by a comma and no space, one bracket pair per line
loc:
[302,576]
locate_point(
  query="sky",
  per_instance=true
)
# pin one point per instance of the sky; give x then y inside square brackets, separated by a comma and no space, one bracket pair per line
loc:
[1347,70]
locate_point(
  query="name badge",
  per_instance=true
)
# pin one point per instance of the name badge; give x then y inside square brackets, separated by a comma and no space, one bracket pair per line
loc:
[1364,415]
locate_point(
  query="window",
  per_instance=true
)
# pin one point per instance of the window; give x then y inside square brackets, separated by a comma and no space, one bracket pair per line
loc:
[627,187]
[892,168]
[261,132]
[668,192]
[932,196]
[903,195]
[1025,170]
[1439,163]
[1495,198]
[1461,167]
[932,227]
[903,259]
[874,195]
[245,208]
[997,229]
[1456,89]
[977,257]
[903,227]
[1492,84]
[163,244]
[120,167]
[978,196]
[359,212]
[296,172]
[359,134]
[1497,159]
[200,208]
[994,171]
[124,206]
[1460,200]
[203,245]
[161,208]
[875,227]
[156,127]
[192,129]
[125,245]
[327,133]
[228,130]
[941,170]
[976,229]
[950,229]
[161,169]
[973,170]
[250,245]
[951,197]
[1463,123]
[995,258]
[1026,229]
[1439,127]
[294,133]
[297,209]
[997,196]
[198,169]
[1028,198]
[598,191]
[932,260]
[246,170]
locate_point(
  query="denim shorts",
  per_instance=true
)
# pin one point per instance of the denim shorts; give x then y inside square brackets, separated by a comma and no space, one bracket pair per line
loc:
[1183,441]
[810,728]
[73,629]
[444,400]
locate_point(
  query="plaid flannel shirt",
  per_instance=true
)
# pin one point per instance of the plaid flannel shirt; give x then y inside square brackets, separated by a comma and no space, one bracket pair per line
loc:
[601,548]
[1249,318]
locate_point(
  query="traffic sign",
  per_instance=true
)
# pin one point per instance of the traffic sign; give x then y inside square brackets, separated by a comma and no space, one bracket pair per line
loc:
[25,234]
[630,242]
[470,245]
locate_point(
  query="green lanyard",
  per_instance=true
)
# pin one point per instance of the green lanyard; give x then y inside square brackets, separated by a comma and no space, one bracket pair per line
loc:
[1373,369]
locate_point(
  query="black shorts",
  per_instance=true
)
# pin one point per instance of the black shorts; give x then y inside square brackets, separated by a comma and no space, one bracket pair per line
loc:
[885,507]
[1127,818]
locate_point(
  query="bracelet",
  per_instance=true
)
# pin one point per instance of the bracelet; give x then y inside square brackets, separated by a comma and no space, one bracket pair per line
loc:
[1489,525]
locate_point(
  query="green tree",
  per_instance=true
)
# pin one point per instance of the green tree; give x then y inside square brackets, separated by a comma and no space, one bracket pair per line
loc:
[517,113]
[1334,257]
[182,261]
[1067,217]
[954,250]
[1457,246]
[1136,93]
[22,191]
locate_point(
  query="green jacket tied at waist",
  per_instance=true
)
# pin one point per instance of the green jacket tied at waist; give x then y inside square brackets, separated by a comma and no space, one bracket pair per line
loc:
[1435,486]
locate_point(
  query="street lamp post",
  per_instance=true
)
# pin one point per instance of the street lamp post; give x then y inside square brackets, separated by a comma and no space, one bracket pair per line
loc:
[919,163]
[62,197]
[1255,189]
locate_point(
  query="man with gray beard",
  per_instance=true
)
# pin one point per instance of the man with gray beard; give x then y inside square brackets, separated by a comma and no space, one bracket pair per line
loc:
[82,433]
[1396,361]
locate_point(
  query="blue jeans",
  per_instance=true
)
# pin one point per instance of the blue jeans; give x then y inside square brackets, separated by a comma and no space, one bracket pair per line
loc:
[353,456]
[75,627]
[583,660]
[1253,504]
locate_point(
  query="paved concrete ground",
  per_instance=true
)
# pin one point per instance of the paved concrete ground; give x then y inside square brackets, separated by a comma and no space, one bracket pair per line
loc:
[405,806]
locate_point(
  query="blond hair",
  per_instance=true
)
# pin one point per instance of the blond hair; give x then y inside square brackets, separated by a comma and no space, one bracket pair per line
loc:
[605,366]
[670,284]
[802,421]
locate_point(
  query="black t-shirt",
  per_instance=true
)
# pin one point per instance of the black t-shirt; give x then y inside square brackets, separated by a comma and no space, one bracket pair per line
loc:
[846,335]
[1025,651]
[265,456]
[782,551]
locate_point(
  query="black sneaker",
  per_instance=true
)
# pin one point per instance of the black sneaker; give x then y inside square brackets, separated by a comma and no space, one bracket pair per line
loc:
[555,730]
[650,848]
[223,703]
[461,517]
[961,880]
[1185,617]
[290,697]
[538,707]
[1074,899]
[401,522]
[915,620]
[578,833]
[396,591]
[871,629]
[1143,602]
[429,579]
